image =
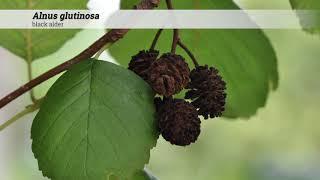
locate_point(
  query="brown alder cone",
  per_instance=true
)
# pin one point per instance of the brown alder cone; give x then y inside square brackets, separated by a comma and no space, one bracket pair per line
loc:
[141,62]
[146,4]
[207,90]
[178,121]
[169,74]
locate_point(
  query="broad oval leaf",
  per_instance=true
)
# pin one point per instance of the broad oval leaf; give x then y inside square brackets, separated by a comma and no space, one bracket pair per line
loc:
[314,18]
[96,121]
[33,44]
[245,58]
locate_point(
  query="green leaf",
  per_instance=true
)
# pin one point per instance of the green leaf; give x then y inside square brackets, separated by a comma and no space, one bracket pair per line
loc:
[96,121]
[305,20]
[306,4]
[34,44]
[245,58]
[144,175]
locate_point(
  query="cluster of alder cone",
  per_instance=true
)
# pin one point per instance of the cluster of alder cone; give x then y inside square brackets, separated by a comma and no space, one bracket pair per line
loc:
[178,119]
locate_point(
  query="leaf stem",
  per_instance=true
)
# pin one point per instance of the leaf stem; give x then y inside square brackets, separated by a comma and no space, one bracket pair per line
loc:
[155,40]
[110,37]
[28,39]
[32,94]
[98,54]
[184,47]
[27,110]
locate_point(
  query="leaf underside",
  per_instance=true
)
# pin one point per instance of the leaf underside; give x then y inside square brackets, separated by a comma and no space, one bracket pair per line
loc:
[314,18]
[33,44]
[97,121]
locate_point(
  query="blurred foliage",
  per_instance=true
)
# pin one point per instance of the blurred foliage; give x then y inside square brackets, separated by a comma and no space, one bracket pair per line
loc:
[310,20]
[33,44]
[280,143]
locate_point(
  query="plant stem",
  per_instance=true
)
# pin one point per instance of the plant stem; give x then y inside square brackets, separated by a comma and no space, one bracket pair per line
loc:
[175,31]
[169,4]
[28,39]
[98,54]
[89,52]
[155,40]
[110,37]
[175,41]
[27,110]
[32,95]
[194,60]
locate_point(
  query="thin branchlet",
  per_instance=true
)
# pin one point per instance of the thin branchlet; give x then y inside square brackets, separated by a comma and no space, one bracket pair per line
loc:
[184,47]
[176,37]
[156,38]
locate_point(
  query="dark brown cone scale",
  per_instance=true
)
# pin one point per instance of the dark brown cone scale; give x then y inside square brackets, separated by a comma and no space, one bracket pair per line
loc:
[178,121]
[141,62]
[169,74]
[207,90]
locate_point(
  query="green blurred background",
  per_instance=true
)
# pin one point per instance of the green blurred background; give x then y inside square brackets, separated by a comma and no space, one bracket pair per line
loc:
[279,143]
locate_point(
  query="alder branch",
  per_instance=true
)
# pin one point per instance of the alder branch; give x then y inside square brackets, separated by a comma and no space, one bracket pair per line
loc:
[110,37]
